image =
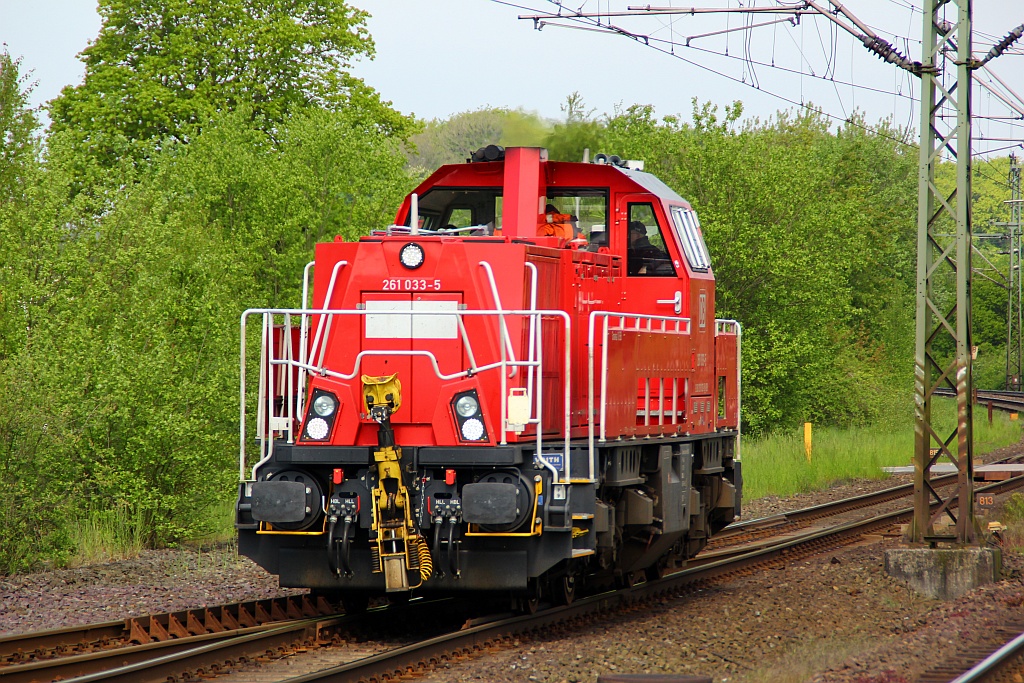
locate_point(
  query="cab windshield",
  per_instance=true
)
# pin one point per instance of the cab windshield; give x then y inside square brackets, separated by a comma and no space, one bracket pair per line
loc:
[470,211]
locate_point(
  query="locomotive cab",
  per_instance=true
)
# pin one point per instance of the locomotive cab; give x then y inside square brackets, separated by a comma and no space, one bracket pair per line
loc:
[518,387]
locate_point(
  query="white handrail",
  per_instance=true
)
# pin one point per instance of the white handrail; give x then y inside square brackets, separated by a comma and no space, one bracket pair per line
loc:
[497,304]
[721,326]
[289,362]
[533,331]
[327,303]
[635,324]
[303,339]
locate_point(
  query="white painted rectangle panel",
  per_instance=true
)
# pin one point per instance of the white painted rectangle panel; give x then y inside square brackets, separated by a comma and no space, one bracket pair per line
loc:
[388,326]
[412,326]
[435,326]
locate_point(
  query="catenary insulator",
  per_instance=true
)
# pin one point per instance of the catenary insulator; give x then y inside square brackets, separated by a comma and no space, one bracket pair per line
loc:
[1000,47]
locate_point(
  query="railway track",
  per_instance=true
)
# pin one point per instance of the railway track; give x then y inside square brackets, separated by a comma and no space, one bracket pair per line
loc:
[1005,664]
[743,533]
[82,650]
[1012,401]
[208,654]
[426,655]
[104,652]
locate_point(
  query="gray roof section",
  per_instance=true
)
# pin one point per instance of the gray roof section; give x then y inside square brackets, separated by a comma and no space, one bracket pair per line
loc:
[654,185]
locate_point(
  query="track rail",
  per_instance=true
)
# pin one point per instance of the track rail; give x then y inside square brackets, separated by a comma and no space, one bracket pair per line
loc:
[428,654]
[206,654]
[766,527]
[157,629]
[1012,401]
[1000,665]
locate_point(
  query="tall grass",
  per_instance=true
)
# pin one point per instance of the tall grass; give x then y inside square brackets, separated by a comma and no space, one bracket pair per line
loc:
[121,533]
[778,466]
[221,523]
[111,534]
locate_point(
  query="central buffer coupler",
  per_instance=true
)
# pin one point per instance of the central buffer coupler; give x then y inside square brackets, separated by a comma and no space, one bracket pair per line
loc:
[396,548]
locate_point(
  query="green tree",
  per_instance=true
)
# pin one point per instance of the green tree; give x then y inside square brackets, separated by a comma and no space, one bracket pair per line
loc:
[134,355]
[452,140]
[580,131]
[32,500]
[18,142]
[811,238]
[159,70]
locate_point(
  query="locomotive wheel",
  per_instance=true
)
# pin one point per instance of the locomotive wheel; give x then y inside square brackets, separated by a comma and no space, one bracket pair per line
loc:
[630,579]
[527,604]
[563,589]
[656,571]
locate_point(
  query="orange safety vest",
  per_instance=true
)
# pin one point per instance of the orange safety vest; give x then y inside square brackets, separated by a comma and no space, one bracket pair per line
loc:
[557,225]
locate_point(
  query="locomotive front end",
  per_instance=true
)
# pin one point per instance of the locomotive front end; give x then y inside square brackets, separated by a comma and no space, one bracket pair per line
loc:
[404,437]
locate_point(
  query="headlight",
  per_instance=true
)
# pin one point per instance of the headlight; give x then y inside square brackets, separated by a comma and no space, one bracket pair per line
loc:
[317,428]
[411,256]
[467,406]
[324,405]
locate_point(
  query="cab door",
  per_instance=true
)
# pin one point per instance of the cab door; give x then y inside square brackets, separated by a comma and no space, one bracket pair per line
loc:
[655,284]
[655,277]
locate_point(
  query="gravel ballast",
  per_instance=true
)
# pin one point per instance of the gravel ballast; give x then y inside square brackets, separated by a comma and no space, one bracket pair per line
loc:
[833,618]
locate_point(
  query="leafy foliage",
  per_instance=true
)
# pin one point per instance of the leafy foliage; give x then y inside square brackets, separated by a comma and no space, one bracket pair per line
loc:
[120,312]
[812,235]
[452,140]
[159,70]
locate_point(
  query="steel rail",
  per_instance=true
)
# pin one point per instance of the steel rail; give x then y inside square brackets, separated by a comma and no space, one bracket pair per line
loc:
[211,656]
[169,660]
[814,512]
[835,507]
[208,656]
[411,659]
[990,668]
[18,646]
[65,668]
[1003,400]
[37,645]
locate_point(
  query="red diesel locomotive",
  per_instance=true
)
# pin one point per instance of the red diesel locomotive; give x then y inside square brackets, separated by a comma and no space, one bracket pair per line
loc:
[518,387]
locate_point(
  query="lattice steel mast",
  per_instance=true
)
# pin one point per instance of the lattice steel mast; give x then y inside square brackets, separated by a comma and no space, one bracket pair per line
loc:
[943,339]
[1014,316]
[943,349]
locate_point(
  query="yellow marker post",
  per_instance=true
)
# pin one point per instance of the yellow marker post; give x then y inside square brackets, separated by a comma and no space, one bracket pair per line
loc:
[807,440]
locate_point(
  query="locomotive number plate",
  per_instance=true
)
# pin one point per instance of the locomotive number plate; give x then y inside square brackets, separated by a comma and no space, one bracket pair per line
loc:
[410,284]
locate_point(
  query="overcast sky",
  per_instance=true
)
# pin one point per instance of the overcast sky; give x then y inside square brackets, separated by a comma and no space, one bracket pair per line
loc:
[438,57]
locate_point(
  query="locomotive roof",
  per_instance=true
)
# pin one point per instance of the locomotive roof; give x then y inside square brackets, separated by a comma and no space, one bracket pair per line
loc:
[654,185]
[488,174]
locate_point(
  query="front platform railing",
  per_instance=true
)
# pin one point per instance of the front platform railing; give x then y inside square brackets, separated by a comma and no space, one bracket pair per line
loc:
[284,367]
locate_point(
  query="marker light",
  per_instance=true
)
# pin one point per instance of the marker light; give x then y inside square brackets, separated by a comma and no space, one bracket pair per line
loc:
[467,406]
[472,429]
[411,256]
[324,405]
[317,428]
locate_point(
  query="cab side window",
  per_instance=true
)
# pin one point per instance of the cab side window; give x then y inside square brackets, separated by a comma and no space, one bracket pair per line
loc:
[646,253]
[688,228]
[587,212]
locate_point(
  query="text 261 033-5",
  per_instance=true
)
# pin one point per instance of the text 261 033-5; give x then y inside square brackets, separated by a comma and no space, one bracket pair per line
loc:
[398,284]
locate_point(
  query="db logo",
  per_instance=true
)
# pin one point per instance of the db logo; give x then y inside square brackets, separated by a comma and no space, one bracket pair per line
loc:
[702,310]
